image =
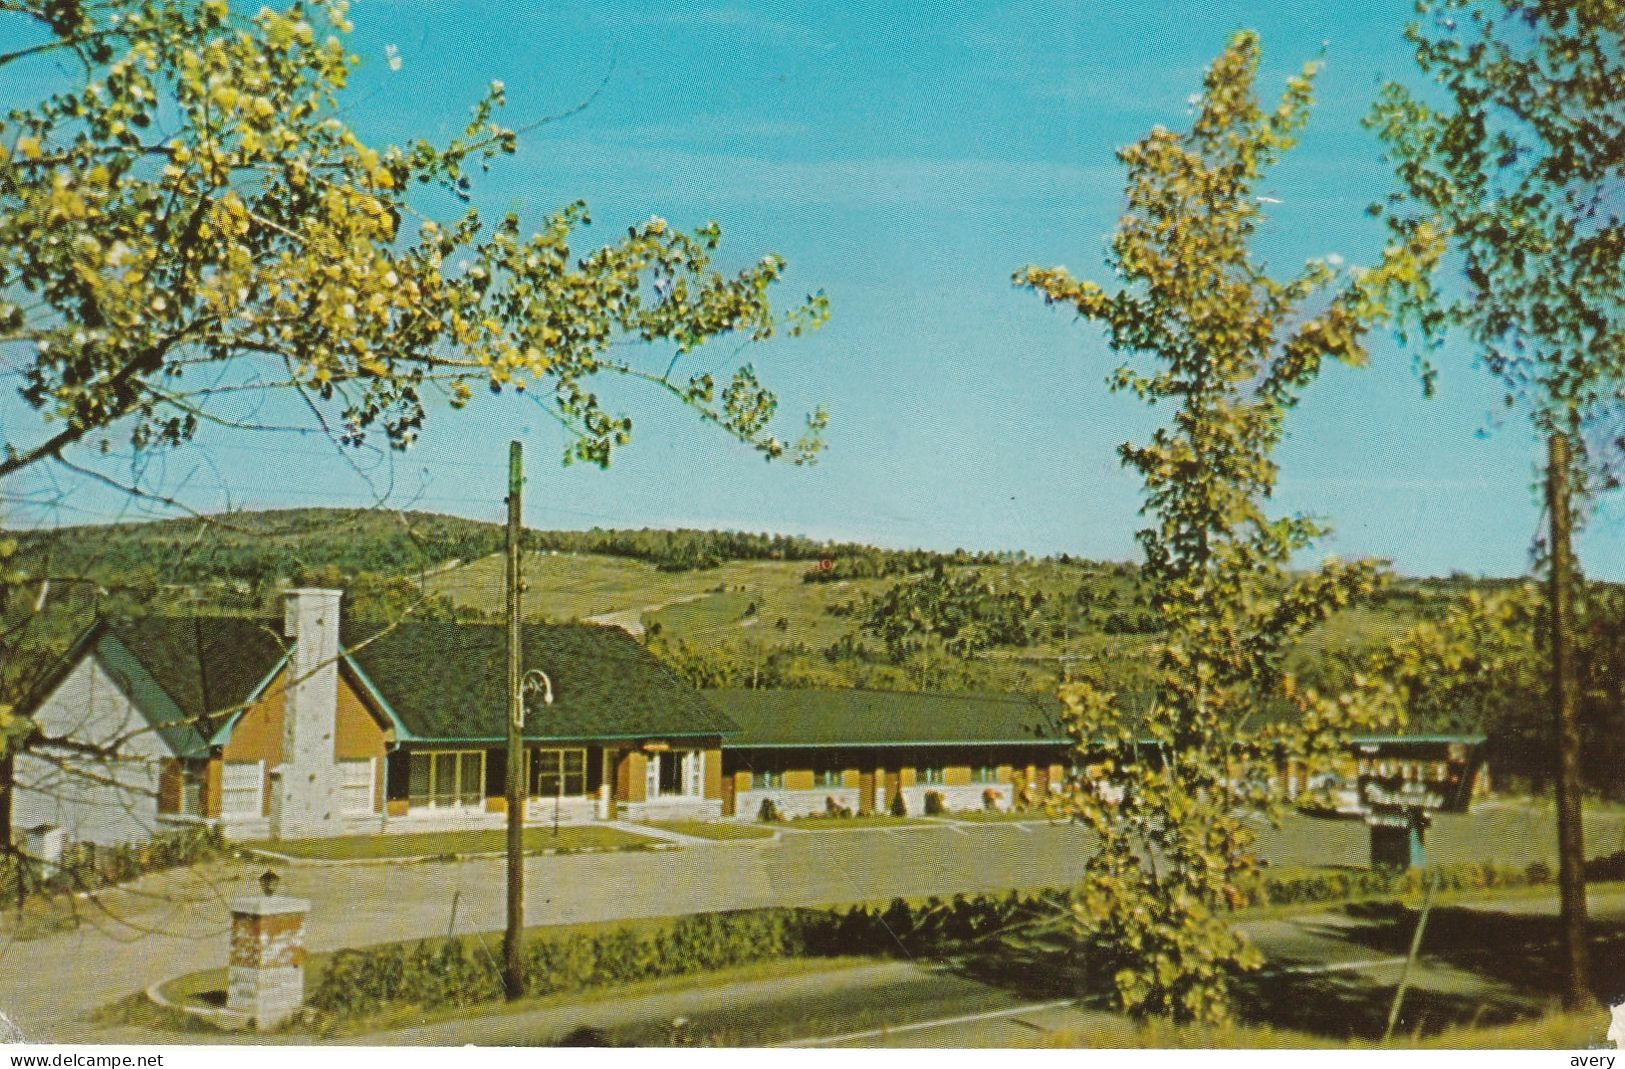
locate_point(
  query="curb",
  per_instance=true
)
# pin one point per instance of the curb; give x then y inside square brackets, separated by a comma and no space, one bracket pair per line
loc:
[229,1020]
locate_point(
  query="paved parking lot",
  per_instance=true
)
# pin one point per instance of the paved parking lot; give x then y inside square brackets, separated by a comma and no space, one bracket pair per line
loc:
[174,923]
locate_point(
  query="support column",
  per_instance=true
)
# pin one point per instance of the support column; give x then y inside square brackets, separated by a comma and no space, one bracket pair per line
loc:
[265,977]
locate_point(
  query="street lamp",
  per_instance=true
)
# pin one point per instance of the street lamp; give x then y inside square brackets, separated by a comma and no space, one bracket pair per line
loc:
[535,680]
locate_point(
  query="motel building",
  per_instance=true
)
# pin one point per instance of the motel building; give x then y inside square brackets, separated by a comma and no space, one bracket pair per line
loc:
[811,752]
[315,726]
[312,726]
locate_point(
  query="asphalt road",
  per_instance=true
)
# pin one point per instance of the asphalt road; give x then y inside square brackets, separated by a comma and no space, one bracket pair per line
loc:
[174,923]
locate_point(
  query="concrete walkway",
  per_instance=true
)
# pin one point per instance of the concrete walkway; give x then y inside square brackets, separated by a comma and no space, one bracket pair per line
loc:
[649,831]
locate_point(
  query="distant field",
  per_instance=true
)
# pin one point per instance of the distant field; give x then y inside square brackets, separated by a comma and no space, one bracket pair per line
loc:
[706,606]
[744,601]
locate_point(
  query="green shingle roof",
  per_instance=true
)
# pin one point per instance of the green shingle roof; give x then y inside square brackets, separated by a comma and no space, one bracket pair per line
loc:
[447,682]
[781,718]
[185,674]
[205,664]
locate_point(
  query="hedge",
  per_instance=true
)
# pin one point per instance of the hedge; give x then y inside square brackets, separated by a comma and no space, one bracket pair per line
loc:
[88,866]
[451,972]
[1337,885]
[440,972]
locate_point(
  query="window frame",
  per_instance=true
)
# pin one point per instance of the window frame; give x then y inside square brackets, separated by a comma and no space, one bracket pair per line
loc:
[691,774]
[228,790]
[563,776]
[348,790]
[194,788]
[456,796]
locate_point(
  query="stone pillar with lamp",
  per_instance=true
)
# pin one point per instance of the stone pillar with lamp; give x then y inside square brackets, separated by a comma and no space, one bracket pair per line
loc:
[265,979]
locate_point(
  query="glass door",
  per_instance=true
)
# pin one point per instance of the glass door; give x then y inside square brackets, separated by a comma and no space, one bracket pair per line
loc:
[694,773]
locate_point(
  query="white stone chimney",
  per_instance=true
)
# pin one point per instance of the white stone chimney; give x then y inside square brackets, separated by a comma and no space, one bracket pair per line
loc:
[307,801]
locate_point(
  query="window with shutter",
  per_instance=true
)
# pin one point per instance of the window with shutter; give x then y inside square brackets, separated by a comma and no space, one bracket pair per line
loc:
[241,789]
[356,785]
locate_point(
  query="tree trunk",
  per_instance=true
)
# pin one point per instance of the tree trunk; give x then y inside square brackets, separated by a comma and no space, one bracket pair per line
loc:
[1565,699]
[8,782]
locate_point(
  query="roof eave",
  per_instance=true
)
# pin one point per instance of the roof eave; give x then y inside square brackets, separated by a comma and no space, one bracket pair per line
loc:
[164,727]
[223,734]
[82,646]
[402,732]
[594,737]
[745,745]
[1432,740]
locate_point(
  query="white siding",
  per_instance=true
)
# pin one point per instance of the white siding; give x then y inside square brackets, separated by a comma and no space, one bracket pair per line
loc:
[102,801]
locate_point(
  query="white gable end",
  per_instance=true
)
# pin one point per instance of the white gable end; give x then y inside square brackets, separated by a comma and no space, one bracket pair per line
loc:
[102,800]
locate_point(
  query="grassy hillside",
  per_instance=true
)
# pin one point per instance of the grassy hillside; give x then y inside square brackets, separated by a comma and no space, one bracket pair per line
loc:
[759,620]
[754,611]
[708,606]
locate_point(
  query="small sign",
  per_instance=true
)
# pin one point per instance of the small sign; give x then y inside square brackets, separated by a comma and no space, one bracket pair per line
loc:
[1407,796]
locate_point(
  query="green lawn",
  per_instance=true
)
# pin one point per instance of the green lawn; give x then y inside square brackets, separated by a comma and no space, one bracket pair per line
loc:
[437,843]
[707,829]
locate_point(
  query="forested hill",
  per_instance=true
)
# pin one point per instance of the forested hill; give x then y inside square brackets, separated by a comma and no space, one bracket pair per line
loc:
[722,609]
[296,545]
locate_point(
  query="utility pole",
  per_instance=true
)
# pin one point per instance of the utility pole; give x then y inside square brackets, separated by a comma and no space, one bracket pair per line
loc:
[1565,698]
[513,962]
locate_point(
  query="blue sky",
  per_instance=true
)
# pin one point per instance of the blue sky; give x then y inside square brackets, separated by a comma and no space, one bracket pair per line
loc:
[906,162]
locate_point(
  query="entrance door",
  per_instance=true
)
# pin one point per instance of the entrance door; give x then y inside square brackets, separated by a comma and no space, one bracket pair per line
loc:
[693,784]
[651,780]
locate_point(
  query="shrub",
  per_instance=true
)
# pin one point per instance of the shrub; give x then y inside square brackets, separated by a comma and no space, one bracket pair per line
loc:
[1610,867]
[87,866]
[768,811]
[1304,888]
[935,805]
[454,972]
[990,800]
[899,805]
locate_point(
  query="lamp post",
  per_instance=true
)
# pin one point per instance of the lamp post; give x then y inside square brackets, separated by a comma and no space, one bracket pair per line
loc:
[536,682]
